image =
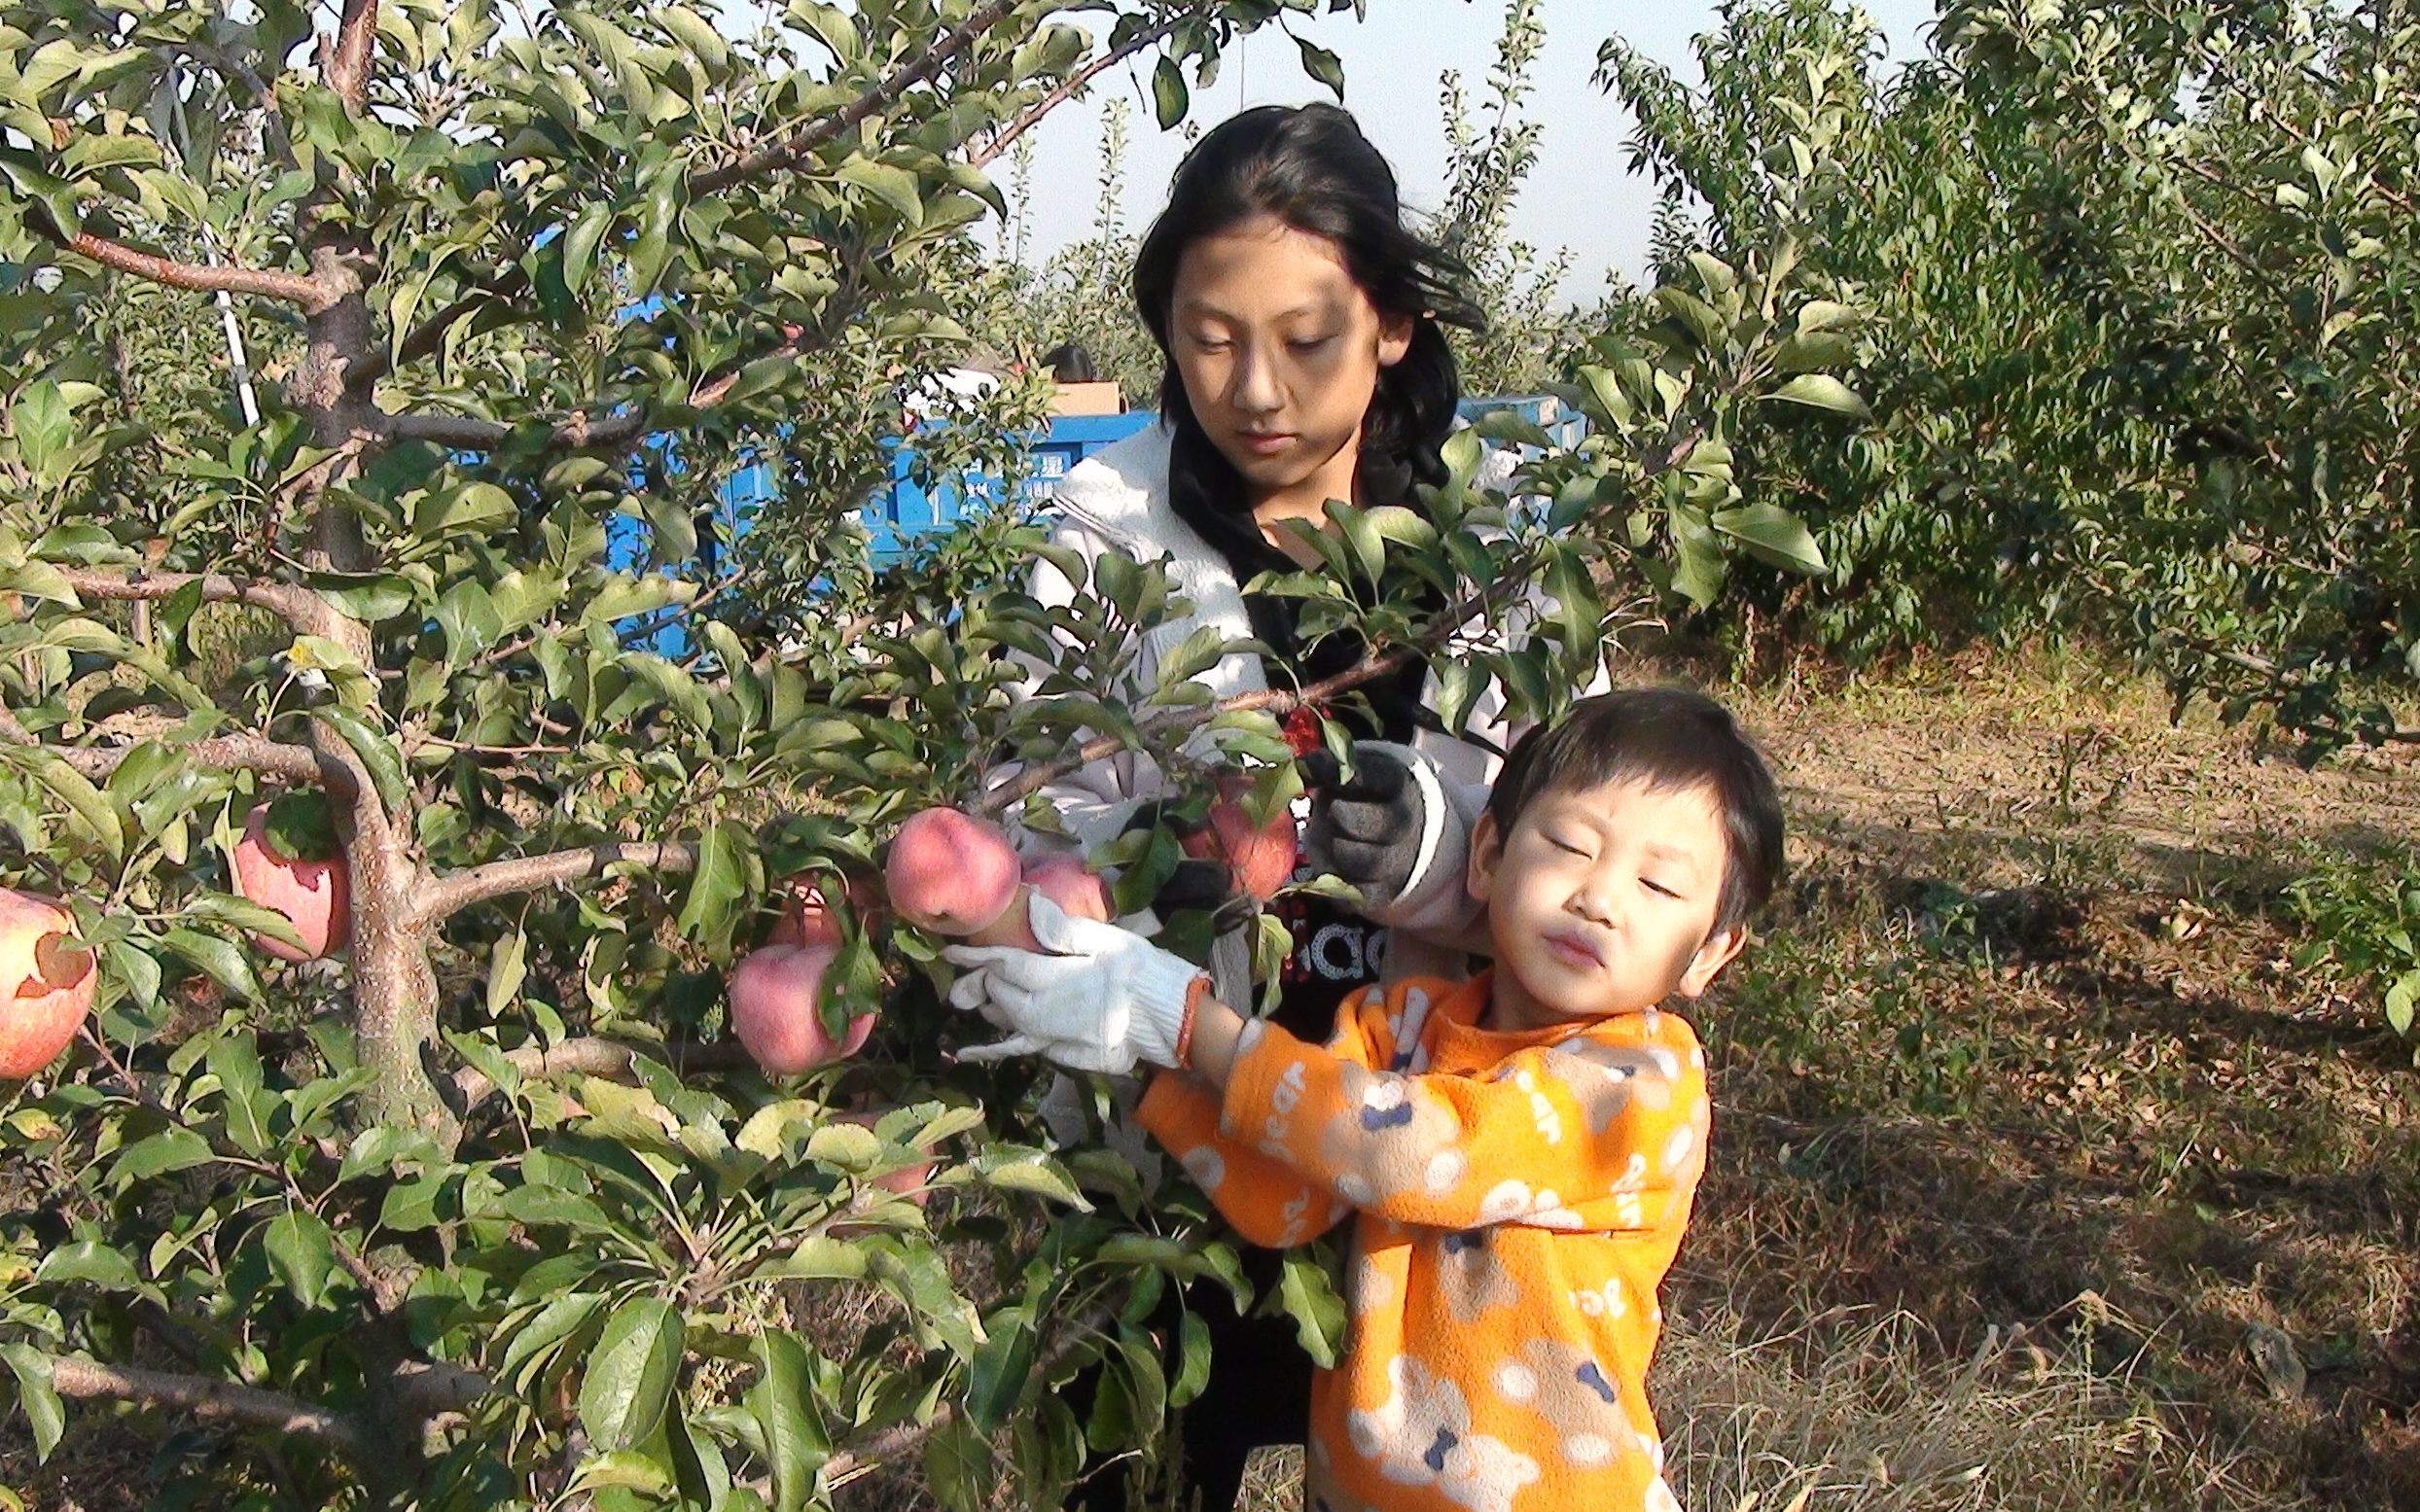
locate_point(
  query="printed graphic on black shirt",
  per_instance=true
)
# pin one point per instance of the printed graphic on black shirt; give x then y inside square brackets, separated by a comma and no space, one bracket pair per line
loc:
[1336,954]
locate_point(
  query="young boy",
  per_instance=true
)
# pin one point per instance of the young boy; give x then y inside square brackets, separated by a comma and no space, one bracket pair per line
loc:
[1518,1151]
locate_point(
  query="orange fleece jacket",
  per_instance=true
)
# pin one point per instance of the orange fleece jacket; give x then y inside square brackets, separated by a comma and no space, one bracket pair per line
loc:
[1518,1198]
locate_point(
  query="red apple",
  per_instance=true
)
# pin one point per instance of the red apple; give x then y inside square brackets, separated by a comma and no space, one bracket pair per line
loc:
[909,1180]
[314,894]
[47,982]
[774,994]
[807,918]
[1262,858]
[950,872]
[1074,887]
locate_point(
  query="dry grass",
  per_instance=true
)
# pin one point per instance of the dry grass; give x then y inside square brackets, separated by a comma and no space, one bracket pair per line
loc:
[1856,1408]
[1852,1408]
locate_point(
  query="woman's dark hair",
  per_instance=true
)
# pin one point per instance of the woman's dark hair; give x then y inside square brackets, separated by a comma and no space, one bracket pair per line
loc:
[1070,363]
[1310,168]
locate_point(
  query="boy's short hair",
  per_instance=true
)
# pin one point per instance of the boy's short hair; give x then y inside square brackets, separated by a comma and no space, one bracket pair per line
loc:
[1668,738]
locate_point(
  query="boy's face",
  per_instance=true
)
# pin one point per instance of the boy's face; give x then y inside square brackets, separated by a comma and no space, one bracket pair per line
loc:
[1601,900]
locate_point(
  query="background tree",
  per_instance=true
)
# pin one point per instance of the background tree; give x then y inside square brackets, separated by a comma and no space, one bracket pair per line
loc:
[2133,359]
[1487,158]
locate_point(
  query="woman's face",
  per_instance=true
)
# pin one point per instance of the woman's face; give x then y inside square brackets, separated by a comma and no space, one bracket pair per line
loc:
[1280,351]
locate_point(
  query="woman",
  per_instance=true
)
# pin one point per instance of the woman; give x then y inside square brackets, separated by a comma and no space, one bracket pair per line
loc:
[1304,326]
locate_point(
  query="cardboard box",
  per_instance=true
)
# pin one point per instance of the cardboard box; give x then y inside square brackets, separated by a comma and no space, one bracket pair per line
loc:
[1087,399]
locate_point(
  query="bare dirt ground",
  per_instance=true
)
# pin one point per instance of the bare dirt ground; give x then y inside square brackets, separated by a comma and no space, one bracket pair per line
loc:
[2026,1057]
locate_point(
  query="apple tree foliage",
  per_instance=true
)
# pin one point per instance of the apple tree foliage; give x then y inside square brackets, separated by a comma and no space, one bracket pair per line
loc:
[486,1213]
[2141,340]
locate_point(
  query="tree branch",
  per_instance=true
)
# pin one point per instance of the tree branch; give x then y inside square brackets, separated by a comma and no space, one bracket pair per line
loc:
[218,754]
[225,1401]
[427,1388]
[609,1059]
[1478,603]
[579,429]
[1278,701]
[1065,89]
[919,69]
[451,895]
[303,611]
[348,66]
[293,288]
[899,1437]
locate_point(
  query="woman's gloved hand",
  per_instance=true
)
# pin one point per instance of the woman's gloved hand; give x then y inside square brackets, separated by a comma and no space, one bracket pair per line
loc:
[1377,825]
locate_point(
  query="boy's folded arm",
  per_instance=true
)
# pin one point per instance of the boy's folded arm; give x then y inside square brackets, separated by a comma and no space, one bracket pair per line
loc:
[1602,1132]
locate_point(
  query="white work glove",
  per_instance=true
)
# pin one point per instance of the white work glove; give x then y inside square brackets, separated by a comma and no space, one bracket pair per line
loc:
[1095,998]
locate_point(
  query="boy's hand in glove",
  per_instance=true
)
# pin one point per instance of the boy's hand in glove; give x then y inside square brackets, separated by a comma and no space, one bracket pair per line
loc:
[1094,998]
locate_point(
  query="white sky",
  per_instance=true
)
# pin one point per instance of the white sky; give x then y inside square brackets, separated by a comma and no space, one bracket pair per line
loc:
[1581,195]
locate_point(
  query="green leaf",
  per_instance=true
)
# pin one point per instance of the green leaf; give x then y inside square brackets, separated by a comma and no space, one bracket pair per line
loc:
[87,805]
[93,1264]
[237,1066]
[697,34]
[631,1373]
[42,425]
[222,961]
[378,755]
[718,885]
[1311,1301]
[1817,316]
[784,1403]
[136,970]
[555,1321]
[242,914]
[302,1253]
[45,1414]
[1033,1173]
[468,618]
[1169,95]
[170,1149]
[473,506]
[1193,1371]
[580,244]
[38,580]
[957,1466]
[508,966]
[1821,391]
[1773,535]
[1322,65]
[302,826]
[996,1381]
[847,1146]
[2401,999]
[894,187]
[369,597]
[816,1257]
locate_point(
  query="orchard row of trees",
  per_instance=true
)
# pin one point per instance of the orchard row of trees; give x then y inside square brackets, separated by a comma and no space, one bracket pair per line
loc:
[2145,345]
[335,342]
